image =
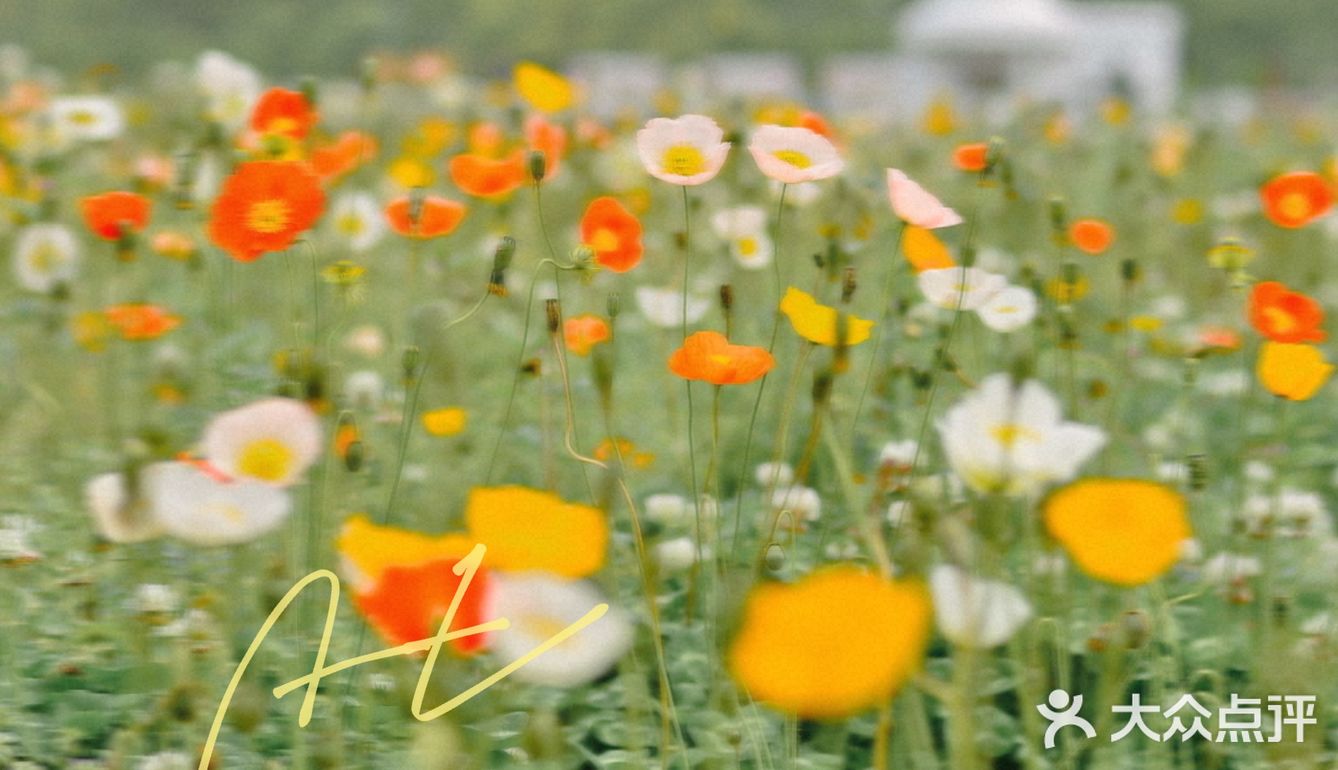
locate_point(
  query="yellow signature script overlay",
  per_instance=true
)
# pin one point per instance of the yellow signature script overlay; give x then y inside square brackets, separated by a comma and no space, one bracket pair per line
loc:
[466,568]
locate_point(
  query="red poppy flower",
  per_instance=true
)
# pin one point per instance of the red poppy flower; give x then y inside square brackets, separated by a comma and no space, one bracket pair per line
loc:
[1296,199]
[613,233]
[264,206]
[110,215]
[435,217]
[1091,235]
[408,603]
[1285,316]
[283,112]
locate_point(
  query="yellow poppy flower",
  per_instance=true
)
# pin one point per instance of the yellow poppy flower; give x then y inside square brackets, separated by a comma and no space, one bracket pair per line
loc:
[446,421]
[1293,371]
[924,250]
[525,529]
[369,549]
[543,89]
[838,641]
[817,323]
[408,172]
[1122,531]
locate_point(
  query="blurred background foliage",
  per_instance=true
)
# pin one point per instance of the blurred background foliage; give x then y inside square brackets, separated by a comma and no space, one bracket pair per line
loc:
[1252,42]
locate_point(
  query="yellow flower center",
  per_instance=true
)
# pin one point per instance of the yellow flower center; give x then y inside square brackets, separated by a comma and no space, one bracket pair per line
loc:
[1009,433]
[44,258]
[268,216]
[794,158]
[747,246]
[83,118]
[540,626]
[604,239]
[683,160]
[719,359]
[351,224]
[1294,206]
[266,459]
[1281,321]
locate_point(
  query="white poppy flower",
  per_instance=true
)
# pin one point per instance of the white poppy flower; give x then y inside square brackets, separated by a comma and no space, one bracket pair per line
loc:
[273,440]
[539,605]
[46,255]
[677,555]
[357,218]
[231,87]
[686,150]
[801,501]
[1290,513]
[197,507]
[916,206]
[1010,309]
[664,307]
[744,228]
[1013,440]
[976,613]
[667,509]
[793,154]
[1228,567]
[954,288]
[778,474]
[86,118]
[118,515]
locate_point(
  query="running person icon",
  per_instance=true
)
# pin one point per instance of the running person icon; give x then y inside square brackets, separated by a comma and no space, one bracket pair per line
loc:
[1062,711]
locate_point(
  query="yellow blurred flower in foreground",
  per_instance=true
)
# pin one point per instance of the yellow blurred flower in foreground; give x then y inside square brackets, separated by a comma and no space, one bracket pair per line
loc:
[525,529]
[1122,531]
[838,641]
[1293,371]
[817,323]
[369,549]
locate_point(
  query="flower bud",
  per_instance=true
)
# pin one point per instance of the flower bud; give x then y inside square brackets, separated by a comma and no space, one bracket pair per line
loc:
[409,362]
[538,166]
[553,312]
[848,285]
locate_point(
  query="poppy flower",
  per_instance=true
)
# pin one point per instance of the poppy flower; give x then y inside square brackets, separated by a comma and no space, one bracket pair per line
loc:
[350,150]
[408,603]
[971,157]
[710,357]
[436,216]
[46,256]
[745,229]
[793,155]
[543,89]
[1091,235]
[140,321]
[687,150]
[273,441]
[973,612]
[916,206]
[263,206]
[924,251]
[1291,371]
[529,530]
[86,118]
[446,421]
[112,215]
[367,550]
[818,323]
[485,177]
[192,504]
[838,641]
[613,233]
[1283,315]
[282,112]
[549,139]
[539,605]
[960,288]
[1122,531]
[583,332]
[1296,199]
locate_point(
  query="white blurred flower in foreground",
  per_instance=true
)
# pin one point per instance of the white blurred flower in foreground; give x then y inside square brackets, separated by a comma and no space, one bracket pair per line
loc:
[273,440]
[977,613]
[954,288]
[199,508]
[539,605]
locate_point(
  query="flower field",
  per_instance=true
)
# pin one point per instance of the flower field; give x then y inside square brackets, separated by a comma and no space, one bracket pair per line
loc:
[740,436]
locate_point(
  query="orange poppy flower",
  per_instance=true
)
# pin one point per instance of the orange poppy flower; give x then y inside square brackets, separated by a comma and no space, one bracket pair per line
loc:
[283,112]
[1283,315]
[583,332]
[1093,236]
[548,138]
[613,233]
[971,157]
[408,603]
[264,206]
[485,177]
[141,321]
[436,216]
[350,150]
[110,215]
[710,357]
[1296,199]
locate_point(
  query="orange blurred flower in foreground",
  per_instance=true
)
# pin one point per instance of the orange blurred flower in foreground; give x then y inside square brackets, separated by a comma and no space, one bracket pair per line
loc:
[584,332]
[282,112]
[613,233]
[408,603]
[1283,315]
[971,157]
[1296,199]
[141,321]
[710,357]
[112,215]
[1093,236]
[263,207]
[435,217]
